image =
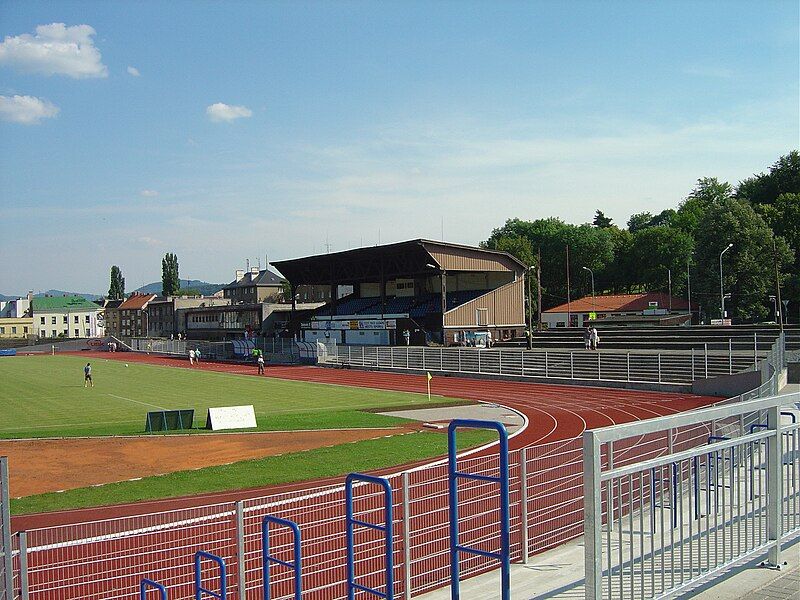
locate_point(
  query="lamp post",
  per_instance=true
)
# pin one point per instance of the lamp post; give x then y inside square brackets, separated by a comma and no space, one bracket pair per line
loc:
[721,290]
[530,307]
[775,308]
[594,305]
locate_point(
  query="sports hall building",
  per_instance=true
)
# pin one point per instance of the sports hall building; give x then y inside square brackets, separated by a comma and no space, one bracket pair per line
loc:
[419,291]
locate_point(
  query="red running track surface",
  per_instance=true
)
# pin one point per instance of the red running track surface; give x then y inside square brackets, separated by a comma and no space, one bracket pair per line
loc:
[555,412]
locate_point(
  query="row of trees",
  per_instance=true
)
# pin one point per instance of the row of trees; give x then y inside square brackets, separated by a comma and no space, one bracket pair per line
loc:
[760,217]
[170,280]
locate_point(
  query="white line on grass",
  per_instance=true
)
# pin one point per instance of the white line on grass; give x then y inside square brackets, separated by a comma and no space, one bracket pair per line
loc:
[137,401]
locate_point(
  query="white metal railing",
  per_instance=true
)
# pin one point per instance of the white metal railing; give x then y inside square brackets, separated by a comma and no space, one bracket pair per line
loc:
[657,525]
[607,365]
[6,567]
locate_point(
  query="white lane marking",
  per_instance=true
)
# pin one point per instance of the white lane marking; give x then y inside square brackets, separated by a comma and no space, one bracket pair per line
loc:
[138,401]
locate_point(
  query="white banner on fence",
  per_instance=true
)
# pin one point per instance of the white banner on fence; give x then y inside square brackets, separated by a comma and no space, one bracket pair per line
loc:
[231,417]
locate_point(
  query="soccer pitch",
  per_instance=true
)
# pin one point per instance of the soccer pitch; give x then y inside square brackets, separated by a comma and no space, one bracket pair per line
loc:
[44,396]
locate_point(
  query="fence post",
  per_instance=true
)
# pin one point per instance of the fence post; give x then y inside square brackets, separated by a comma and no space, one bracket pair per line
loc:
[659,367]
[730,356]
[459,360]
[692,349]
[706,347]
[571,366]
[406,538]
[5,531]
[23,565]
[755,351]
[523,479]
[592,517]
[546,366]
[523,363]
[598,366]
[609,496]
[500,361]
[479,359]
[241,568]
[774,484]
[441,359]
[628,364]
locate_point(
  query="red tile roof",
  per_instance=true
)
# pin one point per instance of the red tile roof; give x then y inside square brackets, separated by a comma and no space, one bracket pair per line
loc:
[620,303]
[136,301]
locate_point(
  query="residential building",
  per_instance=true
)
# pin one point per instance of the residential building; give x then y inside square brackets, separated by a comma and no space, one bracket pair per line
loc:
[111,318]
[167,316]
[66,316]
[15,309]
[653,308]
[133,315]
[16,327]
[254,286]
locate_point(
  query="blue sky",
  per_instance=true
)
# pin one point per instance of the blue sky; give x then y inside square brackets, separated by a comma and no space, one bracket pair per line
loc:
[227,131]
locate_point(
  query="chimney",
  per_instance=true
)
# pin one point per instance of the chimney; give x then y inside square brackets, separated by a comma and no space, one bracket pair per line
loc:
[30,296]
[253,273]
[239,274]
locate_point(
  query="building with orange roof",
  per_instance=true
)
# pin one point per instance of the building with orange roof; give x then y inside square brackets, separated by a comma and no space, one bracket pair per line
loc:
[619,309]
[133,315]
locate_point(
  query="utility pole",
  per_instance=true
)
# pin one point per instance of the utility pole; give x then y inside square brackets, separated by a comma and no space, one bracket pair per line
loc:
[669,288]
[777,281]
[689,291]
[530,308]
[539,288]
[569,309]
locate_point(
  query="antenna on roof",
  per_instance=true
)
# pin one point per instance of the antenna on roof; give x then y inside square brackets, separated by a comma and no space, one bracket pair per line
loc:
[442,238]
[247,260]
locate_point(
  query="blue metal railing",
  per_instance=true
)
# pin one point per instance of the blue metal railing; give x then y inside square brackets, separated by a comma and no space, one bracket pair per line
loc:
[266,559]
[199,590]
[152,585]
[453,475]
[386,528]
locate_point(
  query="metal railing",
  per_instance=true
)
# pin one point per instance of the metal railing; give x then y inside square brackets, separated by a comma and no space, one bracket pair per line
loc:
[6,567]
[607,365]
[727,487]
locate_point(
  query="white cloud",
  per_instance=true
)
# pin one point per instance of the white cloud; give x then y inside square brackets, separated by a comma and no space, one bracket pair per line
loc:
[149,193]
[220,112]
[133,71]
[148,241]
[55,49]
[27,110]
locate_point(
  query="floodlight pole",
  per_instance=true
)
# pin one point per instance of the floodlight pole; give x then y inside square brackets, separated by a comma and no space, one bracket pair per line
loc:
[721,290]
[594,304]
[530,308]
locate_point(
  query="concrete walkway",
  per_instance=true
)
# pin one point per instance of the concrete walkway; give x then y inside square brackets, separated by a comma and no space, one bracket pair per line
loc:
[483,411]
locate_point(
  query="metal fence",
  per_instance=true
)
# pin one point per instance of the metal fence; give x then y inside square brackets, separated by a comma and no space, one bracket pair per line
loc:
[6,569]
[107,558]
[275,350]
[609,365]
[725,486]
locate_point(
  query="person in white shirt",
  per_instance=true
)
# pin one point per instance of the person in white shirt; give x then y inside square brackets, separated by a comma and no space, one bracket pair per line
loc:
[191,357]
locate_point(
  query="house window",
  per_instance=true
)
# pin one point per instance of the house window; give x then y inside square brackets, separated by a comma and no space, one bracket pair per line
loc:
[65,319]
[24,330]
[43,333]
[2,330]
[13,330]
[52,320]
[87,320]
[88,333]
[77,333]
[42,320]
[76,319]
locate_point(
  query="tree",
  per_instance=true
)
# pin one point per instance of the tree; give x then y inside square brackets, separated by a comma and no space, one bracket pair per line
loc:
[517,246]
[639,221]
[655,252]
[691,212]
[116,290]
[765,188]
[170,280]
[749,267]
[600,220]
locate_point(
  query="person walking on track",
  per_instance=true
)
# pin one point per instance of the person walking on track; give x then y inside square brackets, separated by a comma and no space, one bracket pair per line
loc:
[260,364]
[191,357]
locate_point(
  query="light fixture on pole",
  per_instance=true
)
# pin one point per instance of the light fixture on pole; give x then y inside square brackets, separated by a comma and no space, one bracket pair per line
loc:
[594,305]
[721,290]
[775,308]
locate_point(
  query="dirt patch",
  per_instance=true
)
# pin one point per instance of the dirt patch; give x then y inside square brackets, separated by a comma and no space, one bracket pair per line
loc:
[39,466]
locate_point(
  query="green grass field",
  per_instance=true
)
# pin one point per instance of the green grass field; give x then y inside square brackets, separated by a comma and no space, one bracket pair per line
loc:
[44,396]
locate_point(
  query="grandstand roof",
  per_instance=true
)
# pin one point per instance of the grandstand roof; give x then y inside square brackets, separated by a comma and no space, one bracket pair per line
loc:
[413,257]
[620,303]
[62,304]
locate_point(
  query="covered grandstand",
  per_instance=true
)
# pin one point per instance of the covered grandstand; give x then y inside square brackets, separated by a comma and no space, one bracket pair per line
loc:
[422,291]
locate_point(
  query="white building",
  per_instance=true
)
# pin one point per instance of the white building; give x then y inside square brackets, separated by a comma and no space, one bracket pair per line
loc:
[66,316]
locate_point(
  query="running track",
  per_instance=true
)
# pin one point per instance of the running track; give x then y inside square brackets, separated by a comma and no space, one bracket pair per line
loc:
[555,412]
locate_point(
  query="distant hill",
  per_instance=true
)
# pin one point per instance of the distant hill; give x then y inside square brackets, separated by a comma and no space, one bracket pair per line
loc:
[51,293]
[203,287]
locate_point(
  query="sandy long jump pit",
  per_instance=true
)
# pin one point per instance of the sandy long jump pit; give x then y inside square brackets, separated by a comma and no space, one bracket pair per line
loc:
[50,465]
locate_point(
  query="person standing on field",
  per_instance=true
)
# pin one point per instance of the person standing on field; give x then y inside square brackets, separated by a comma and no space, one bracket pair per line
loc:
[595,338]
[191,357]
[87,375]
[197,356]
[260,364]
